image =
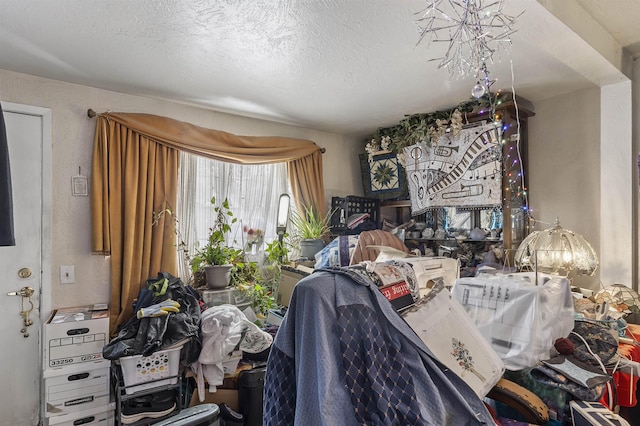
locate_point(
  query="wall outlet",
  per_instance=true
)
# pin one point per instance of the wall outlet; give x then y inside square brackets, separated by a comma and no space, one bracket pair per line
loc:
[67,275]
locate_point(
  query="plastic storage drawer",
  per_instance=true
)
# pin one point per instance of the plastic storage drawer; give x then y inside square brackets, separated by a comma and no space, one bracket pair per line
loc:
[229,296]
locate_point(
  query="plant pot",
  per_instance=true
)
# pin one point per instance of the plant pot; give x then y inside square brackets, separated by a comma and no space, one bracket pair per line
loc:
[218,276]
[309,248]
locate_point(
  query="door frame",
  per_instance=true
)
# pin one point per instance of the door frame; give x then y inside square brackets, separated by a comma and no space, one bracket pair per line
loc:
[44,302]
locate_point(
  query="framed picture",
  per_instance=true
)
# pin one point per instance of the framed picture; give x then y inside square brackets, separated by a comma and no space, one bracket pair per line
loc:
[460,171]
[384,177]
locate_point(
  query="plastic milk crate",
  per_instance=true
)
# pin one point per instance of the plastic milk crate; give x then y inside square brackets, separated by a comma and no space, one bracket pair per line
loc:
[143,372]
[350,205]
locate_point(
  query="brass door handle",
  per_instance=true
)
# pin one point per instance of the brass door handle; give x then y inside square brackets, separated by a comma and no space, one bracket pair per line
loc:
[24,293]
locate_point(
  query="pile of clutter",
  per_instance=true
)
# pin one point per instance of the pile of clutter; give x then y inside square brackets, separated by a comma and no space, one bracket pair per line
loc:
[169,314]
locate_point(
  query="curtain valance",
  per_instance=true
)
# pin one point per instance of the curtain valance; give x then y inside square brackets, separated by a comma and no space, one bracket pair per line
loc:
[215,144]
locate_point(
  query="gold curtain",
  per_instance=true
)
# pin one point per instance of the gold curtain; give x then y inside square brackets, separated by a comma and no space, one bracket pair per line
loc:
[305,175]
[135,174]
[132,178]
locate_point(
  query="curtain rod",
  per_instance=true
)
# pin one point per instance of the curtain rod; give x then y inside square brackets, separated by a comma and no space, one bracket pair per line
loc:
[91,113]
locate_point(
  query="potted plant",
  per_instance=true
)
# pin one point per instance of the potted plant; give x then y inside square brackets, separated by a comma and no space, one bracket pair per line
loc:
[276,254]
[247,278]
[216,258]
[311,228]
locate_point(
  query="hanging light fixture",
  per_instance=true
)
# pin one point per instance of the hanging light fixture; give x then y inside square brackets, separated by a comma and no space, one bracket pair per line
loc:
[473,30]
[557,251]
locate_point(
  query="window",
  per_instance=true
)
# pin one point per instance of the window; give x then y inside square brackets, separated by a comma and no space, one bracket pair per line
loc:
[253,192]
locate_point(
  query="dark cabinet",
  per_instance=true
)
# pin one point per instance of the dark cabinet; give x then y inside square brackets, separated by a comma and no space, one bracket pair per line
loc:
[513,213]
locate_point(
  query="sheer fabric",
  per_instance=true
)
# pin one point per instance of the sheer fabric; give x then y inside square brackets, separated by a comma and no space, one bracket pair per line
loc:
[253,192]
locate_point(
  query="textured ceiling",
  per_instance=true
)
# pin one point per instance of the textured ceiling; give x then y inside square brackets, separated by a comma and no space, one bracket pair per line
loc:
[344,66]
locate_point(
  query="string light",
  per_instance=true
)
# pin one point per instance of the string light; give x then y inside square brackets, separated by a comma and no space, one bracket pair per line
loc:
[475,32]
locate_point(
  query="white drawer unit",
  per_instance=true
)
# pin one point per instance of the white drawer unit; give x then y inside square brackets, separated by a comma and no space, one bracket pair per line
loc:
[77,388]
[98,416]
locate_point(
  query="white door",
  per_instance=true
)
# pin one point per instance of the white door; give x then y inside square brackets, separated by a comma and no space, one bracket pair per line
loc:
[25,264]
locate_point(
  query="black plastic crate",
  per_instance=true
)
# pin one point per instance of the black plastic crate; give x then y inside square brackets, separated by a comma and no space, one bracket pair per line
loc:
[349,205]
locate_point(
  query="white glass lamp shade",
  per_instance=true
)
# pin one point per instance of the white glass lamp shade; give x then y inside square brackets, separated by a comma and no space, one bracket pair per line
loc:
[283,213]
[557,250]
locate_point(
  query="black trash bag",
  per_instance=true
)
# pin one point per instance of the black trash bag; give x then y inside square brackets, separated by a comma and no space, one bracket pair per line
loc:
[144,336]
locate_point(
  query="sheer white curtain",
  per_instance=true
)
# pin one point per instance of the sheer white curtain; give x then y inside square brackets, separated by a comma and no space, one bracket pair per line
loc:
[253,192]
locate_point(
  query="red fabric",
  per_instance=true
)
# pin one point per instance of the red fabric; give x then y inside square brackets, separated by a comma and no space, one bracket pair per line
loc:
[493,413]
[626,385]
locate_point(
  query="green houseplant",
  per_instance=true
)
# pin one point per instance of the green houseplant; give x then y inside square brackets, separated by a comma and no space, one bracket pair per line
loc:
[311,228]
[248,279]
[215,259]
[276,255]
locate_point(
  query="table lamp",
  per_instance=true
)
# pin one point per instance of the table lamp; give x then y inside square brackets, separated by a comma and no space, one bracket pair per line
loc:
[557,251]
[283,217]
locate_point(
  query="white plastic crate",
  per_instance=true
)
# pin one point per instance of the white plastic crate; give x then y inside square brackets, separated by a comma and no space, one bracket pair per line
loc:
[138,370]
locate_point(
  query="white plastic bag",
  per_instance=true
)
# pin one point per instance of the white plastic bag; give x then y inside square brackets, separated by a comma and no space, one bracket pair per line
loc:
[521,320]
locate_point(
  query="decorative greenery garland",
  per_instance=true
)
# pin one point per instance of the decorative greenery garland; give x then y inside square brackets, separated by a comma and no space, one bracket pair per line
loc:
[423,127]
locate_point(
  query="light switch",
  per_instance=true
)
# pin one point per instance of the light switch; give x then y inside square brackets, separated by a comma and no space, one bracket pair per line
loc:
[67,275]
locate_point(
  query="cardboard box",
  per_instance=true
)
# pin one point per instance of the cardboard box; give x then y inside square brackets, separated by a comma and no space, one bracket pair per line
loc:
[289,277]
[77,389]
[226,396]
[98,416]
[75,336]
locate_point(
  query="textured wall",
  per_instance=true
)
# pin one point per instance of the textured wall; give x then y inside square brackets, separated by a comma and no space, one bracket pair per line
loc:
[617,167]
[564,166]
[72,148]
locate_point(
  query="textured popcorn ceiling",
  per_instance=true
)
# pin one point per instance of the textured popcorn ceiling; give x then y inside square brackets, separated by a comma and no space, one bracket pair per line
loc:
[346,66]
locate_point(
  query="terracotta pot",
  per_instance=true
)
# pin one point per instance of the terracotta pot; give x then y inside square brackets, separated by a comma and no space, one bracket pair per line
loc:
[218,276]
